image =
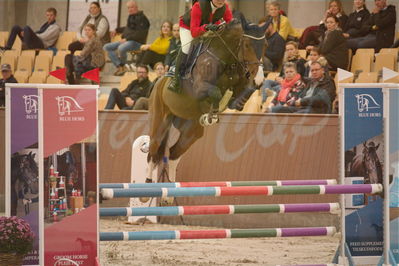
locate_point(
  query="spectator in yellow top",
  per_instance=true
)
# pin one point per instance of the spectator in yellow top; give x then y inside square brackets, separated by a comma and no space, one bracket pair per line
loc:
[156,51]
[281,23]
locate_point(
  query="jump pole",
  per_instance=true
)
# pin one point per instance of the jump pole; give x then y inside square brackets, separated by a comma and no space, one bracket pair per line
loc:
[221,184]
[214,234]
[220,209]
[241,191]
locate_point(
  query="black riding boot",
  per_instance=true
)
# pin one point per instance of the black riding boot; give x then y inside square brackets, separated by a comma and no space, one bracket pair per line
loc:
[240,101]
[180,71]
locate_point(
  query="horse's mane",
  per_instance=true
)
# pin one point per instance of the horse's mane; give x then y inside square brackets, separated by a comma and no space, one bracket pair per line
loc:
[230,32]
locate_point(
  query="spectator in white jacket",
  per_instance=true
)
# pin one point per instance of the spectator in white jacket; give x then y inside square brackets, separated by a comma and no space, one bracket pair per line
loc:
[45,37]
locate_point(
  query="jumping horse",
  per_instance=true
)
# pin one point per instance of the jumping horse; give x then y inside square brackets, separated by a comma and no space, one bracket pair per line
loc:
[226,58]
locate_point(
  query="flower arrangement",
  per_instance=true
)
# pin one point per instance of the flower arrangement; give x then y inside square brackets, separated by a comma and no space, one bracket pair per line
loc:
[16,235]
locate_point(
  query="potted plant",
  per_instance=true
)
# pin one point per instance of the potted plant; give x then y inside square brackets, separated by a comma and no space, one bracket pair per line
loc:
[16,240]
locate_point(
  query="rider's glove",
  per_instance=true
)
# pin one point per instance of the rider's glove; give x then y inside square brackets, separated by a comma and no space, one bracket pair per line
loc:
[211,27]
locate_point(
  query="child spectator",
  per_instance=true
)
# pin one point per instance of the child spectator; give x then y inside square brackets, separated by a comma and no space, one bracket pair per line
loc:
[96,18]
[314,56]
[157,51]
[92,56]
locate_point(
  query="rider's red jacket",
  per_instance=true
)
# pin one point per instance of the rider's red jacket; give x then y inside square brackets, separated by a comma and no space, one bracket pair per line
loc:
[195,21]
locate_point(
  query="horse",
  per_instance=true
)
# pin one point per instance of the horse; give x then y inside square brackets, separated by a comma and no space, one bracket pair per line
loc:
[367,164]
[226,58]
[24,180]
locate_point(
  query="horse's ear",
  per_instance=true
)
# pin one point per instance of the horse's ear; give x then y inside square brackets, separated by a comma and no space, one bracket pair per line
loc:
[376,148]
[365,144]
[33,155]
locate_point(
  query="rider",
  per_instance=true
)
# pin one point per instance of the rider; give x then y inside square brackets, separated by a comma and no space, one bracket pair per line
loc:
[205,15]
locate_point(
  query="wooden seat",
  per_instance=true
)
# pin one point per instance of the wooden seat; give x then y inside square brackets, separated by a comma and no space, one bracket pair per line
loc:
[42,64]
[152,76]
[17,46]
[24,68]
[63,53]
[3,37]
[47,53]
[302,53]
[9,58]
[384,60]
[273,75]
[361,62]
[39,78]
[253,105]
[53,80]
[394,53]
[29,54]
[367,77]
[65,39]
[58,62]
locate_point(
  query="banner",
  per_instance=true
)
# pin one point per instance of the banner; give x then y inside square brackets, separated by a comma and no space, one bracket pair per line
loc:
[22,186]
[364,155]
[68,119]
[394,171]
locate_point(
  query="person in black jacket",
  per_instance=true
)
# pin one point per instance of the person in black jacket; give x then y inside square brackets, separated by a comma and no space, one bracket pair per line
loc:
[316,98]
[379,29]
[333,46]
[126,99]
[274,52]
[6,73]
[174,47]
[133,36]
[356,20]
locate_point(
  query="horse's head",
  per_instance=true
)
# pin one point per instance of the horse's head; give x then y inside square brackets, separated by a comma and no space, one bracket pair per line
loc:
[371,162]
[26,171]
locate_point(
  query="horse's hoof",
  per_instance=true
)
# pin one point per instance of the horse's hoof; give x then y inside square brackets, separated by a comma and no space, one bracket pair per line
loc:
[167,201]
[148,180]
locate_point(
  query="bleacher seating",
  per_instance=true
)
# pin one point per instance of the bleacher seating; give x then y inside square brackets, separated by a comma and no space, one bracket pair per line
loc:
[384,60]
[9,57]
[3,37]
[394,53]
[24,68]
[58,62]
[361,62]
[126,79]
[65,39]
[367,77]
[53,80]
[302,53]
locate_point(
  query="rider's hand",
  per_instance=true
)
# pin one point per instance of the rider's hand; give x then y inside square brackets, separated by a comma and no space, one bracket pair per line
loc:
[211,27]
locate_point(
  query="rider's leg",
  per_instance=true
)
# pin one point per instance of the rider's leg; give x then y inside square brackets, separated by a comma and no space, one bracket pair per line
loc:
[186,38]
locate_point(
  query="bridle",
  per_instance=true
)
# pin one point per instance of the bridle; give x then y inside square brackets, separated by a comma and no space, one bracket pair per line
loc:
[242,63]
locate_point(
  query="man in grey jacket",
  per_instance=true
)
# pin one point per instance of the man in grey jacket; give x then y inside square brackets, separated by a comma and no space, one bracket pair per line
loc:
[45,37]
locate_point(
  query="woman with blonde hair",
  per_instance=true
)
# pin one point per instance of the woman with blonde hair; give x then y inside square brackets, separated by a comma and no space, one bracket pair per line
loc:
[156,51]
[281,23]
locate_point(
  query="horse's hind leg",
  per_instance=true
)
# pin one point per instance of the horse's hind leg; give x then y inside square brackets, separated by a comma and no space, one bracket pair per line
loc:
[190,131]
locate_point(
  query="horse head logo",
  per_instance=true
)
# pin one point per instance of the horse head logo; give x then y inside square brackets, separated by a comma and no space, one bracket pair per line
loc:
[67,105]
[366,102]
[31,103]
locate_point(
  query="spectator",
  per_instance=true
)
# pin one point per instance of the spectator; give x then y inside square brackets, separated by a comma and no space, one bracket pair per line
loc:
[157,51]
[274,52]
[291,55]
[281,23]
[317,95]
[45,37]
[291,87]
[333,46]
[142,102]
[96,18]
[126,99]
[315,56]
[334,9]
[356,20]
[133,36]
[92,56]
[379,26]
[174,47]
[7,77]
[205,15]
[313,34]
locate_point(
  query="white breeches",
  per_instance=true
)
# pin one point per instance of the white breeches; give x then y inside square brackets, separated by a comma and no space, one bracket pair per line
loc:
[186,38]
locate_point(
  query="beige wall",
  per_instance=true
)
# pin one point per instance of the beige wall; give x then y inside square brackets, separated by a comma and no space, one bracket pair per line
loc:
[302,13]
